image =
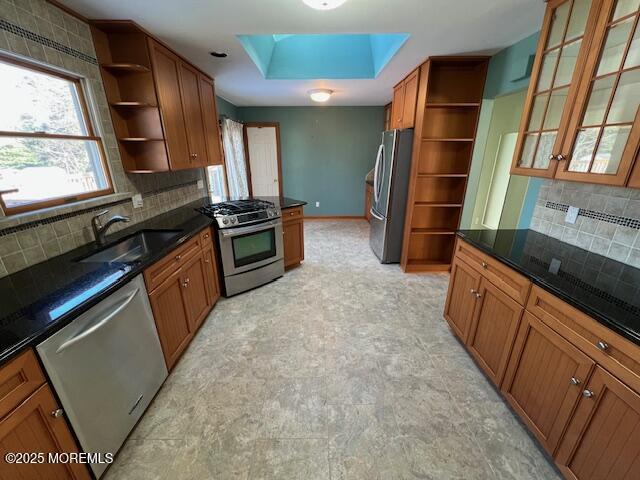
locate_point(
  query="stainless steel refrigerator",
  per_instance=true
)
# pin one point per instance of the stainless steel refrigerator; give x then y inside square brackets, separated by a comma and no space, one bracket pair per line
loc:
[389,202]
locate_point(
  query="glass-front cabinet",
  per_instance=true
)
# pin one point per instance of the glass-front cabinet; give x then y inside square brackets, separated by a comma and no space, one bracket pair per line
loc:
[562,51]
[604,132]
[581,119]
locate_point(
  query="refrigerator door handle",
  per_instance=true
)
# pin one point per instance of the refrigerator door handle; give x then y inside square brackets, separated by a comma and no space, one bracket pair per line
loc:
[376,187]
[375,215]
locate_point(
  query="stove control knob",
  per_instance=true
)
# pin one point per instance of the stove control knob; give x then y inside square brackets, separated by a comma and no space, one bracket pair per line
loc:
[233,220]
[225,221]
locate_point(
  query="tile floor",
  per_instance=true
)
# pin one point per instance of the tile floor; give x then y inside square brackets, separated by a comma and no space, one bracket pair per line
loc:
[342,369]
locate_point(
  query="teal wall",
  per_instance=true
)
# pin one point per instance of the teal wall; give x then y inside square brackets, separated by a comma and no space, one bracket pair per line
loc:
[326,153]
[509,71]
[226,108]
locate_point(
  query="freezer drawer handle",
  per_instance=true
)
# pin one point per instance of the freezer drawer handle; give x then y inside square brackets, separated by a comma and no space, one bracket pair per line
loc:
[98,325]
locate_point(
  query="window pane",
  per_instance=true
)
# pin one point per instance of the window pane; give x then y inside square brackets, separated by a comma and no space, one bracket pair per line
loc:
[215,176]
[554,112]
[558,25]
[546,71]
[627,98]
[33,101]
[567,63]
[44,169]
[526,159]
[633,57]
[625,7]
[614,46]
[545,149]
[598,101]
[539,104]
[579,16]
[610,150]
[583,150]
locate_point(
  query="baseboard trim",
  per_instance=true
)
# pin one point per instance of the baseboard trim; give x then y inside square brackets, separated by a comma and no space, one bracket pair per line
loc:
[334,217]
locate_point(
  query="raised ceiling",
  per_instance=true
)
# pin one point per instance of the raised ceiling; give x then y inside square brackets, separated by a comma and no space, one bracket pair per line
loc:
[436,27]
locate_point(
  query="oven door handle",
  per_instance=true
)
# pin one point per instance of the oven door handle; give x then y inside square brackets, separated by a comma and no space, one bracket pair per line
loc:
[234,232]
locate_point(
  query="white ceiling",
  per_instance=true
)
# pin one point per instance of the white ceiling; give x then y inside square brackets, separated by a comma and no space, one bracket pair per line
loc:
[437,27]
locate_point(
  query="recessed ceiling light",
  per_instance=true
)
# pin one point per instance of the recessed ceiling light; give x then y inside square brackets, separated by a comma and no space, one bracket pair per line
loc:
[218,54]
[324,4]
[320,94]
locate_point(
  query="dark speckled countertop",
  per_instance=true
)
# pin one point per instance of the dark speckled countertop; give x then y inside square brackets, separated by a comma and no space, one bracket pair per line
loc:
[607,290]
[38,301]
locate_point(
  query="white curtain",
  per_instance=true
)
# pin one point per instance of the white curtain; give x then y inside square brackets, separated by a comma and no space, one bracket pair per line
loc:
[233,143]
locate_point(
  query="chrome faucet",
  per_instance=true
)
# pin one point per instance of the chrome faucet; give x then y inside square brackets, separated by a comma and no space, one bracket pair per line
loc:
[100,230]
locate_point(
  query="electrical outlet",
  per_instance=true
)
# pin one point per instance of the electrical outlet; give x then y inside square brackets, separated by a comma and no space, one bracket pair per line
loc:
[572,215]
[200,184]
[317,204]
[137,201]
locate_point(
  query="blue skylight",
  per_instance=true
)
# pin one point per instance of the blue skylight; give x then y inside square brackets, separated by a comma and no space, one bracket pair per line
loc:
[330,56]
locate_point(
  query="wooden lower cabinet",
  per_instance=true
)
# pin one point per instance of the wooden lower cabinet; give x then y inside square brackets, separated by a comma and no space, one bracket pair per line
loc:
[31,428]
[603,438]
[544,379]
[182,301]
[172,321]
[493,329]
[293,237]
[461,299]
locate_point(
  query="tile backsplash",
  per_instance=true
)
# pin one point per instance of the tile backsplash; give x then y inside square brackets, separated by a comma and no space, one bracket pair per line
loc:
[608,219]
[37,29]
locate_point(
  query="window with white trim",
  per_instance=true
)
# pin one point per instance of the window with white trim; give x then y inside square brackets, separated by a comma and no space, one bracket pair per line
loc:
[49,151]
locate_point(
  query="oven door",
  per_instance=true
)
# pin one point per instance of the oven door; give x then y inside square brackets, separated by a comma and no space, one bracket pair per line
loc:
[247,248]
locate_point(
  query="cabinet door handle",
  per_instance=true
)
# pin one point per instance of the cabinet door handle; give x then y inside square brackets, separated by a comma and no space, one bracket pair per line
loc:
[575,381]
[588,394]
[602,345]
[552,157]
[178,257]
[484,265]
[57,413]
[478,295]
[473,291]
[185,284]
[560,157]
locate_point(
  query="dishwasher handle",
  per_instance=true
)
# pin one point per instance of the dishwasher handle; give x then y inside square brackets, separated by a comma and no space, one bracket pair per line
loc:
[98,325]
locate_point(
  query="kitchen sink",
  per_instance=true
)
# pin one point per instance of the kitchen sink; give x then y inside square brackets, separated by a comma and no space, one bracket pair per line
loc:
[132,248]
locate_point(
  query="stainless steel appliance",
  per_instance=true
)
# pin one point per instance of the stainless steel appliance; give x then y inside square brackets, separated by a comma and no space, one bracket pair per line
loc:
[250,243]
[390,185]
[106,366]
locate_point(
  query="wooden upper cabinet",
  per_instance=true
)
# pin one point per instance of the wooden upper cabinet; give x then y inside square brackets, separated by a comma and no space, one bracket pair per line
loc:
[397,106]
[167,74]
[462,298]
[193,114]
[493,329]
[410,99]
[603,136]
[405,97]
[563,49]
[603,438]
[210,115]
[545,379]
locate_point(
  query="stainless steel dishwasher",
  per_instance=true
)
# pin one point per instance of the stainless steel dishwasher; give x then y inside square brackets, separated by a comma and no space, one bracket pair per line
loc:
[106,366]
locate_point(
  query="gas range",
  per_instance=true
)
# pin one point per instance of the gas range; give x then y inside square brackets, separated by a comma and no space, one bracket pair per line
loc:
[236,213]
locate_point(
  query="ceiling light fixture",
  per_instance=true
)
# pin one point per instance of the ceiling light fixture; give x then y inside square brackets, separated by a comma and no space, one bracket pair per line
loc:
[320,94]
[324,4]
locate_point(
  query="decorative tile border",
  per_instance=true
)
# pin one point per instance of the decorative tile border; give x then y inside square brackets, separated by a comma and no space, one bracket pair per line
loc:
[63,216]
[604,217]
[46,42]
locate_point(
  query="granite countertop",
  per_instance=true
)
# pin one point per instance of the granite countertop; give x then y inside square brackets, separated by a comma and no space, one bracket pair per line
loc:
[42,299]
[607,290]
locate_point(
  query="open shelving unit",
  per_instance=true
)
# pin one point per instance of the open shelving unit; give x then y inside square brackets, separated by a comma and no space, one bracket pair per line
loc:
[449,99]
[125,63]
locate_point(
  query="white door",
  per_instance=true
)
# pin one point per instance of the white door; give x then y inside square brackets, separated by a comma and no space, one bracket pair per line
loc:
[263,161]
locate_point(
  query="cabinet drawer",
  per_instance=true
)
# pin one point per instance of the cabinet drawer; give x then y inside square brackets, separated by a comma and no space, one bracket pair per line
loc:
[206,237]
[503,277]
[291,214]
[18,379]
[164,268]
[618,355]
